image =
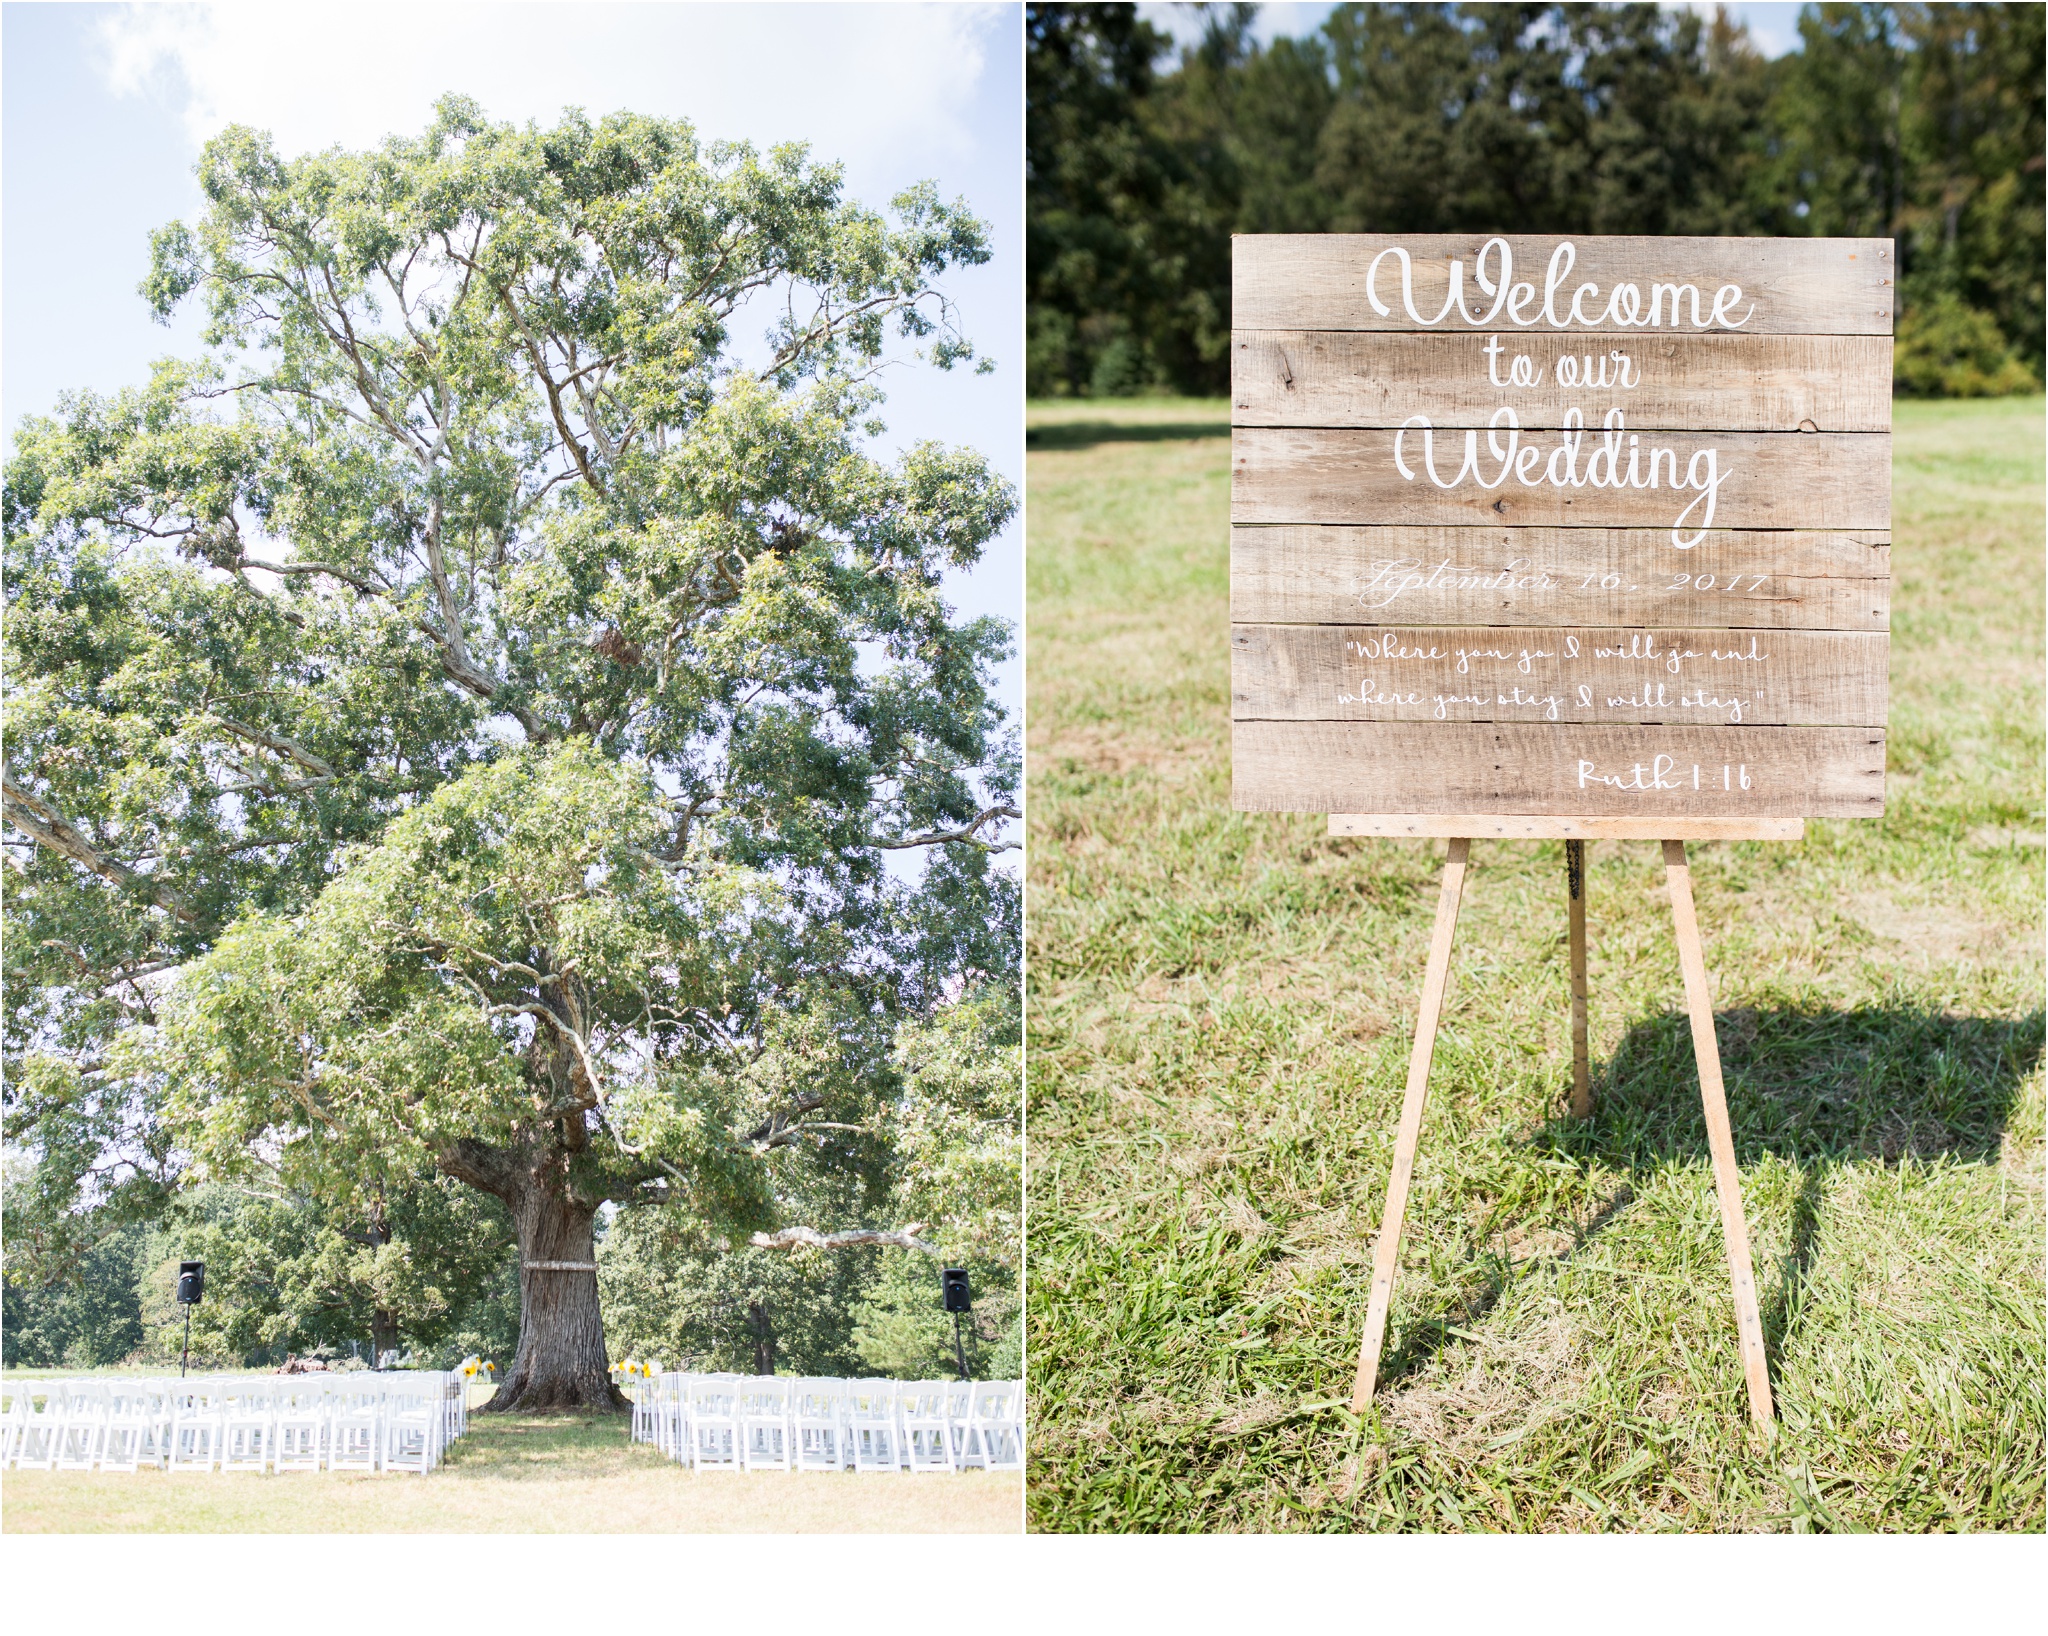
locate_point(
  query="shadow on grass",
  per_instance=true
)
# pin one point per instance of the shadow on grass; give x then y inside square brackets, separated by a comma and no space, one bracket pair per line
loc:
[1804,1085]
[1814,1088]
[1781,1305]
[1423,1338]
[553,1445]
[1086,434]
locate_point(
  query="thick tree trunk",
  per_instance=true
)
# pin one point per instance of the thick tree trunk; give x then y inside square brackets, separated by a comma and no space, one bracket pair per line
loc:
[561,1362]
[383,1334]
[383,1321]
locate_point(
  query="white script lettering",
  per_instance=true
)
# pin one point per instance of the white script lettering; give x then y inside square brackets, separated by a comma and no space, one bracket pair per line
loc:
[1702,473]
[1624,307]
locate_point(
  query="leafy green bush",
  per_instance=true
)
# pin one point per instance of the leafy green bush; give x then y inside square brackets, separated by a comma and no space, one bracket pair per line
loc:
[86,1319]
[1949,349]
[903,1331]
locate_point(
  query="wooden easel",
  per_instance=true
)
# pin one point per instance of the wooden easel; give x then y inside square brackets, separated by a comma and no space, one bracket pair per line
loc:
[1574,832]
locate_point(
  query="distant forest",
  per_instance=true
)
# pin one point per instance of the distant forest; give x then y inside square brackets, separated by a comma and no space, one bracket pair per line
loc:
[1922,123]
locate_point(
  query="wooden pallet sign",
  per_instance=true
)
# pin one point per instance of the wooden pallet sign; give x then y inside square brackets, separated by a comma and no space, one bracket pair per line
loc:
[1568,537]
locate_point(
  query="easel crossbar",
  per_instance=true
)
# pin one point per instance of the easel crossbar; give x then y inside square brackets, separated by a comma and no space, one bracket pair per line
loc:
[1540,828]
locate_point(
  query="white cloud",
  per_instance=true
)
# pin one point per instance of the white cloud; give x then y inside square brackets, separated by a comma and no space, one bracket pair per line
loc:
[1773,24]
[1185,19]
[879,86]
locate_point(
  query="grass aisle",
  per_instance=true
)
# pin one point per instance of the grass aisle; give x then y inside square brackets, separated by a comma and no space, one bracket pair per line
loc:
[1219,1022]
[515,1476]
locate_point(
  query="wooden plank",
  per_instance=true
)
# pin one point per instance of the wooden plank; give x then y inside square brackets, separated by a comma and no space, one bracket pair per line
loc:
[1386,1253]
[1770,580]
[1564,771]
[1743,383]
[1575,938]
[1482,673]
[1699,1005]
[1824,480]
[1787,286]
[1419,826]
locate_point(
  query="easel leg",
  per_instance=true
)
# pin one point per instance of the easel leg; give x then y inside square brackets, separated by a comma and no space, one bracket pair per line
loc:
[1387,1251]
[1575,889]
[1720,1139]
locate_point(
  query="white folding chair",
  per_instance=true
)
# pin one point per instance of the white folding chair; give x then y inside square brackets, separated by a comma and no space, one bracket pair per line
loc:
[355,1430]
[967,1451]
[455,1403]
[672,1417]
[643,1400]
[81,1426]
[412,1424]
[995,1423]
[35,1448]
[248,1420]
[126,1440]
[301,1428]
[195,1427]
[764,1423]
[716,1442]
[163,1411]
[817,1418]
[12,1422]
[871,1429]
[927,1431]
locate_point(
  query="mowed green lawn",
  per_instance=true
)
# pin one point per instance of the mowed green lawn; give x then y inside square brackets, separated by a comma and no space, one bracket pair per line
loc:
[1220,1011]
[518,1475]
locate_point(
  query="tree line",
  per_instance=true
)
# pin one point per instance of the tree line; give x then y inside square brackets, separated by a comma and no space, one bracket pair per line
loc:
[1922,123]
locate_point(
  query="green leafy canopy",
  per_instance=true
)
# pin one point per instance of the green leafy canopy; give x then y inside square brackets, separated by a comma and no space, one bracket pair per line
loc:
[463,722]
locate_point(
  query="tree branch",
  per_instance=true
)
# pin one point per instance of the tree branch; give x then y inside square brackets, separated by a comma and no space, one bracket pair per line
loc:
[576,1043]
[964,834]
[46,826]
[290,748]
[552,388]
[903,1238]
[303,1091]
[775,1130]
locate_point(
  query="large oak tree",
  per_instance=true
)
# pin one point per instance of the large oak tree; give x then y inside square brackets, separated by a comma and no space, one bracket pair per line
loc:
[463,723]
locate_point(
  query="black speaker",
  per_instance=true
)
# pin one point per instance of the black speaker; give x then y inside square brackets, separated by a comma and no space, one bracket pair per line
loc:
[957,1297]
[191,1282]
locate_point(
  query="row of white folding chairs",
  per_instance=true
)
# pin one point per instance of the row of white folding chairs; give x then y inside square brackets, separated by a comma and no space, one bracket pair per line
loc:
[399,1421]
[779,1423]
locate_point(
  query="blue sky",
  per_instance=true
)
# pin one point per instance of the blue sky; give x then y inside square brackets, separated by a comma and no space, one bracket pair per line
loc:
[106,107]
